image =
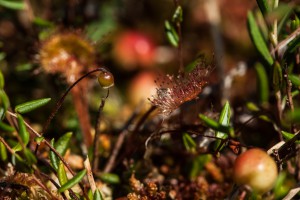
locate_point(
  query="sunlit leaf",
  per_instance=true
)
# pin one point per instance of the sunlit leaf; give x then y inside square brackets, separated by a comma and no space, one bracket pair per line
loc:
[39,140]
[98,195]
[17,147]
[224,120]
[61,174]
[258,39]
[252,107]
[61,147]
[11,4]
[171,33]
[62,143]
[288,136]
[215,125]
[31,105]
[177,17]
[73,181]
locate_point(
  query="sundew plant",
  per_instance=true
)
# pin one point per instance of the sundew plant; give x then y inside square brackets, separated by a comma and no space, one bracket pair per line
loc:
[141,100]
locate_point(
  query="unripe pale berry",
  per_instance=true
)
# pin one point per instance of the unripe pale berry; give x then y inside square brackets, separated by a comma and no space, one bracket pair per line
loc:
[106,79]
[256,169]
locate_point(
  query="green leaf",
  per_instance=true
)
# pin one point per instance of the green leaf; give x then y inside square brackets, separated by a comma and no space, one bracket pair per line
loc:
[215,125]
[263,6]
[4,103]
[188,142]
[98,195]
[294,116]
[177,17]
[61,173]
[31,105]
[1,81]
[3,152]
[39,140]
[30,157]
[42,22]
[73,181]
[171,33]
[198,164]
[17,147]
[292,46]
[6,127]
[61,147]
[15,5]
[53,158]
[24,134]
[289,136]
[277,76]
[263,84]
[224,120]
[252,107]
[294,79]
[110,178]
[62,143]
[258,39]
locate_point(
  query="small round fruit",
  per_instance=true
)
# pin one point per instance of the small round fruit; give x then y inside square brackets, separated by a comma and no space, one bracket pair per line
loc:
[105,79]
[133,49]
[256,169]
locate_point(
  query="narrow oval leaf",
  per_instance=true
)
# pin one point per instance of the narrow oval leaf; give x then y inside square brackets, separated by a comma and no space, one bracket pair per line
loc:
[258,39]
[30,157]
[97,195]
[6,127]
[53,158]
[294,79]
[277,76]
[62,143]
[209,122]
[73,181]
[177,17]
[31,105]
[263,6]
[289,136]
[110,178]
[4,103]
[224,120]
[262,83]
[3,152]
[61,173]
[24,134]
[1,80]
[171,33]
[188,142]
[215,125]
[15,5]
